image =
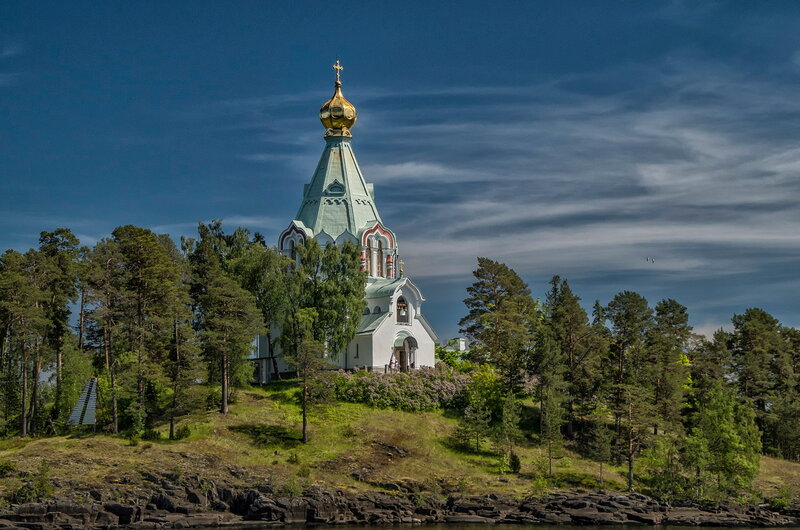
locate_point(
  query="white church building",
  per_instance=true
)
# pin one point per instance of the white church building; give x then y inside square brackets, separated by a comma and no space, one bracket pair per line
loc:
[338,206]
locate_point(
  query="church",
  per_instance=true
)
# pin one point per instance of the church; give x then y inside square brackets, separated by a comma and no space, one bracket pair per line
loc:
[338,205]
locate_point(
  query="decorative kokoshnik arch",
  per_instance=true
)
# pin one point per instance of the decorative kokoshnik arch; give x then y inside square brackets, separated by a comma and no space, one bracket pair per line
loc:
[292,234]
[378,233]
[377,251]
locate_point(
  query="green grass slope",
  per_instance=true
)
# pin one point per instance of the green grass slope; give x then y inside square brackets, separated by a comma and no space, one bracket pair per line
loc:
[352,447]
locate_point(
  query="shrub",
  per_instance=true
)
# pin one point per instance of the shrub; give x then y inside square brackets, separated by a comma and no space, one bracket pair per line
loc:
[137,415]
[214,397]
[182,432]
[514,463]
[419,390]
[36,490]
[485,384]
[6,468]
[539,486]
[290,488]
[782,499]
[152,435]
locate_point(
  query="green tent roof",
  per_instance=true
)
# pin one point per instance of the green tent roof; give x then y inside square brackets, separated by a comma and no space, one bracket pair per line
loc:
[338,199]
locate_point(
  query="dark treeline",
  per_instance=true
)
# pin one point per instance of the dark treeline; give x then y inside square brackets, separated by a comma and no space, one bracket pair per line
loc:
[166,330]
[631,384]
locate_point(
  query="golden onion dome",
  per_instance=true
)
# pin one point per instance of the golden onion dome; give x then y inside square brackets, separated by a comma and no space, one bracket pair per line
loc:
[337,114]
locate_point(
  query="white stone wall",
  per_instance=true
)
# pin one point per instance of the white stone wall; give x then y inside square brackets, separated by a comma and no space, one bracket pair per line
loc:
[375,350]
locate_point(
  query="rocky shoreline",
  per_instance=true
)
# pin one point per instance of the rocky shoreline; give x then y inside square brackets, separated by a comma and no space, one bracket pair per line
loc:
[208,505]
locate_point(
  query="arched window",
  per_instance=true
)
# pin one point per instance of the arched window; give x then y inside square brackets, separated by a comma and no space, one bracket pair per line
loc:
[379,271]
[292,250]
[370,258]
[402,310]
[366,311]
[377,310]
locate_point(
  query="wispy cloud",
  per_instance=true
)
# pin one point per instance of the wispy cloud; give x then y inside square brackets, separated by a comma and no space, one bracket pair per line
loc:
[690,162]
[8,50]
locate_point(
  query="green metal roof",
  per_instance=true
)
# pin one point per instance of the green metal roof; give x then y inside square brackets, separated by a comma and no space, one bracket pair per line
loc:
[338,199]
[84,412]
[370,323]
[383,287]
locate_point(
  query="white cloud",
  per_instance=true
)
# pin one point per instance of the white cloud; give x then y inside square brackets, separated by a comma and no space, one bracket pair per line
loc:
[691,162]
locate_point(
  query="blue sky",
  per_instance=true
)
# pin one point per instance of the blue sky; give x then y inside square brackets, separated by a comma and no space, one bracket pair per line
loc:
[570,138]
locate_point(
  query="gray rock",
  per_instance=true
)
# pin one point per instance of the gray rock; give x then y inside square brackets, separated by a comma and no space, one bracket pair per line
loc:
[468,519]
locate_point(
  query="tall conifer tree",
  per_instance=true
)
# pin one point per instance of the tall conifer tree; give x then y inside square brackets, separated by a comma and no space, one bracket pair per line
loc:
[667,344]
[501,321]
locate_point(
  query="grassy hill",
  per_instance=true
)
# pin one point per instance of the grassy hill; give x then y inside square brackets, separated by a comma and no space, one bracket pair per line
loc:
[352,447]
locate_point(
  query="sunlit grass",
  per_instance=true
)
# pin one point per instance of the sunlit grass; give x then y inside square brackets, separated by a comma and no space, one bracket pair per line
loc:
[259,442]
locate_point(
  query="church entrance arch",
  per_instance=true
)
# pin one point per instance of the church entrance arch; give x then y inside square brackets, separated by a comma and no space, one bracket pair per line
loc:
[405,351]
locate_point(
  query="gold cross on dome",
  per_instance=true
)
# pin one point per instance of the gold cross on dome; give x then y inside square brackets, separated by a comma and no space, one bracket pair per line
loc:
[338,67]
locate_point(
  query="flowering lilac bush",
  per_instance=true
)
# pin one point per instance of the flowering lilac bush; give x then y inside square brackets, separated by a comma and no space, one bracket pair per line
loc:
[418,390]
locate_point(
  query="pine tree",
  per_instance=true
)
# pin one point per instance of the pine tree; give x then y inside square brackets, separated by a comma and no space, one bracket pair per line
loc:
[667,345]
[501,321]
[22,301]
[580,344]
[762,362]
[150,289]
[552,412]
[104,295]
[230,321]
[508,433]
[631,318]
[635,416]
[551,393]
[308,360]
[711,360]
[601,441]
[60,251]
[475,424]
[182,364]
[783,430]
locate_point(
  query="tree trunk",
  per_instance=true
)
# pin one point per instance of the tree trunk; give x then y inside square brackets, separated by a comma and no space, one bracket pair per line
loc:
[5,366]
[59,381]
[305,411]
[176,383]
[37,367]
[114,410]
[140,356]
[630,471]
[631,445]
[82,319]
[224,405]
[24,400]
[112,376]
[272,356]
